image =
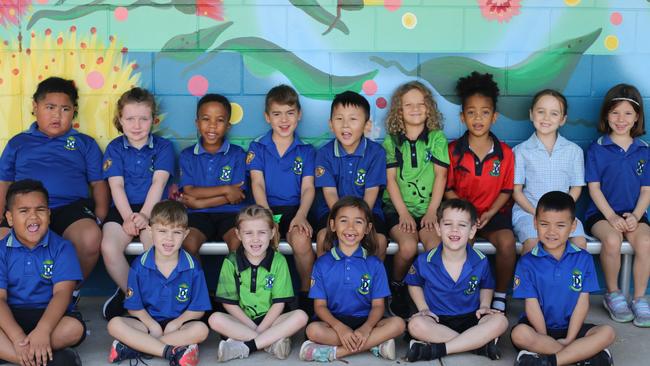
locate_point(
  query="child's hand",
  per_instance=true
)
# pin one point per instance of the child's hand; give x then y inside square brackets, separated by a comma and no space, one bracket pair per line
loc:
[564,341]
[426,312]
[140,220]
[428,221]
[300,223]
[129,227]
[631,221]
[348,338]
[617,223]
[485,311]
[172,326]
[362,335]
[39,346]
[484,219]
[407,223]
[155,330]
[234,194]
[174,193]
[22,351]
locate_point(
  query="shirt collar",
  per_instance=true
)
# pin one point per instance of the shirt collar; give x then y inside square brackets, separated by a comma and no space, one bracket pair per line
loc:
[243,263]
[127,144]
[33,130]
[462,146]
[267,140]
[474,256]
[225,147]
[539,251]
[605,140]
[185,260]
[339,151]
[423,136]
[337,253]
[13,242]
[536,143]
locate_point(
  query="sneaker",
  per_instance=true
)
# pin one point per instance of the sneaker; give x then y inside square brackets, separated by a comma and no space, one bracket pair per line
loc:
[399,301]
[490,350]
[385,350]
[280,348]
[641,311]
[231,349]
[421,351]
[185,355]
[525,358]
[617,307]
[603,358]
[114,306]
[310,351]
[65,357]
[120,352]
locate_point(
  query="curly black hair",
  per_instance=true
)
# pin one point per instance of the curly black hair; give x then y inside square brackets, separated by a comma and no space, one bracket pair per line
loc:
[477,83]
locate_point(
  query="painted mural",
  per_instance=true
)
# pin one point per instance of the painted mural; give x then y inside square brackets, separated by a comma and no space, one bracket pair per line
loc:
[182,49]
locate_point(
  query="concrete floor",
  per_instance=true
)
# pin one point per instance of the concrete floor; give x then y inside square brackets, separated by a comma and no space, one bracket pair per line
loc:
[632,345]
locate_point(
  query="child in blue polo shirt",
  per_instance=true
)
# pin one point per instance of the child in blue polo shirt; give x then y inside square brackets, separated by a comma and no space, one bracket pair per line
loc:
[166,296]
[349,286]
[282,178]
[137,166]
[38,272]
[351,165]
[619,186]
[452,287]
[555,279]
[67,162]
[212,177]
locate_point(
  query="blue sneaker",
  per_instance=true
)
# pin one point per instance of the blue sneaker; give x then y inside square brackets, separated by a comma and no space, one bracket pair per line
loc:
[120,352]
[616,304]
[641,311]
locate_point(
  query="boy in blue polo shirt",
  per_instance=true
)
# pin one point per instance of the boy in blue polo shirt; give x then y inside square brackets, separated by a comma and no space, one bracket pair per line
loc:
[282,178]
[555,279]
[351,165]
[212,177]
[38,272]
[67,162]
[166,296]
[452,287]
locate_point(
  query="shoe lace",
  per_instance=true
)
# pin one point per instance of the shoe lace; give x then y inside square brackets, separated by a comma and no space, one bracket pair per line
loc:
[641,307]
[139,359]
[617,302]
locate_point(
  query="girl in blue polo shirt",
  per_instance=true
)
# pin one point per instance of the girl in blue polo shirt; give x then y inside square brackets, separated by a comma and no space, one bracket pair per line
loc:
[349,285]
[137,166]
[617,175]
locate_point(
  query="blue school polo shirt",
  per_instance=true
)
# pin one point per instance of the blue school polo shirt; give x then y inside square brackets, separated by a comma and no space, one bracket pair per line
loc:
[137,166]
[199,168]
[282,174]
[621,173]
[65,164]
[349,284]
[555,284]
[29,275]
[443,295]
[166,298]
[351,174]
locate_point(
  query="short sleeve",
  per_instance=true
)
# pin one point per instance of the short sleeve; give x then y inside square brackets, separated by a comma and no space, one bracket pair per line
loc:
[520,165]
[113,165]
[317,289]
[380,286]
[413,277]
[66,264]
[187,173]
[508,169]
[440,149]
[590,275]
[227,291]
[487,280]
[282,290]
[323,171]
[389,147]
[309,161]
[376,174]
[93,158]
[255,157]
[8,164]
[239,168]
[133,300]
[164,160]
[578,177]
[4,280]
[592,174]
[200,298]
[524,285]
[645,178]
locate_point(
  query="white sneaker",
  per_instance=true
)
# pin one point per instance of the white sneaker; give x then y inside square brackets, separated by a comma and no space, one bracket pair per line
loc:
[385,350]
[280,348]
[231,349]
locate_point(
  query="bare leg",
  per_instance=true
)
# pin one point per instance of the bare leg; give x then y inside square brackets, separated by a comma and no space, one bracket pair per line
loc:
[303,255]
[193,242]
[285,325]
[610,253]
[86,238]
[429,239]
[3,232]
[640,240]
[406,252]
[231,239]
[320,242]
[580,241]
[114,242]
[382,244]
[7,350]
[506,257]
[528,245]
[188,333]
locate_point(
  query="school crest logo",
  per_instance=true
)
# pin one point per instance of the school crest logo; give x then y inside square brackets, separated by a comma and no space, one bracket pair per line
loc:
[412,270]
[268,281]
[48,269]
[496,168]
[249,157]
[364,289]
[107,164]
[183,292]
[71,143]
[152,167]
[428,157]
[472,285]
[320,171]
[129,292]
[361,177]
[312,282]
[226,174]
[639,166]
[576,280]
[297,166]
[516,282]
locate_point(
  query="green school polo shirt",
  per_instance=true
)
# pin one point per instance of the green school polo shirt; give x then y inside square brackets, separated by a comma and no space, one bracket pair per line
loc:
[414,161]
[254,288]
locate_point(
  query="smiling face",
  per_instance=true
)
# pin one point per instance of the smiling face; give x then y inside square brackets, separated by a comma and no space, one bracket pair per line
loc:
[554,229]
[54,114]
[167,239]
[255,236]
[622,118]
[478,115]
[348,124]
[283,118]
[547,115]
[212,123]
[414,108]
[455,228]
[29,217]
[350,226]
[136,120]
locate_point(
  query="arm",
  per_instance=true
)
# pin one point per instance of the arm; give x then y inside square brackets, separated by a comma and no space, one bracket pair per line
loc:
[177,323]
[632,219]
[575,192]
[406,221]
[577,319]
[307,194]
[486,301]
[331,196]
[155,192]
[346,335]
[212,191]
[239,314]
[535,315]
[501,200]
[154,328]
[4,186]
[523,202]
[121,202]
[417,295]
[375,315]
[451,194]
[274,312]
[438,191]
[198,203]
[101,196]
[370,196]
[258,185]
[603,206]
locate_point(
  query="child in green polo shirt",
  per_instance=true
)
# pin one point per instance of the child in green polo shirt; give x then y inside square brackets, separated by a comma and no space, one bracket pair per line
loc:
[416,175]
[254,287]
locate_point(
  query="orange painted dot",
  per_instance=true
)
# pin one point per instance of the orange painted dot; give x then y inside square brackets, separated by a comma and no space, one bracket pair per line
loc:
[100,60]
[59,41]
[83,45]
[114,86]
[125,50]
[1,81]
[28,51]
[116,68]
[15,71]
[111,38]
[134,66]
[83,66]
[40,77]
[48,31]
[53,60]
[6,43]
[71,53]
[13,55]
[76,125]
[46,67]
[33,35]
[93,30]
[73,29]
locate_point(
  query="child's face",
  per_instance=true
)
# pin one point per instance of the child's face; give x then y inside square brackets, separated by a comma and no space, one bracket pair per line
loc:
[167,239]
[554,228]
[622,118]
[136,120]
[350,226]
[455,228]
[547,115]
[414,108]
[478,115]
[54,113]
[29,217]
[283,119]
[212,123]
[255,236]
[348,124]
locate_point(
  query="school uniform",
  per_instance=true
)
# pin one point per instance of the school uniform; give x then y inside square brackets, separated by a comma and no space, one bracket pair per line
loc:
[136,167]
[255,288]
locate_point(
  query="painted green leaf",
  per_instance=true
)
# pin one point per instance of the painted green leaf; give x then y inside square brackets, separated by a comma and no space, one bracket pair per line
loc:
[319,14]
[198,41]
[184,8]
[547,68]
[350,5]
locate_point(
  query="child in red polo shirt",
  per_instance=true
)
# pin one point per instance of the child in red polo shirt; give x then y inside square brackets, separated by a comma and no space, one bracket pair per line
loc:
[481,170]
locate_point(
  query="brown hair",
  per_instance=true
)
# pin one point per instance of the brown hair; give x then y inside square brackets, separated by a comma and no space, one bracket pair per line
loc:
[169,212]
[282,94]
[254,212]
[616,95]
[395,119]
[554,93]
[134,95]
[368,241]
[460,205]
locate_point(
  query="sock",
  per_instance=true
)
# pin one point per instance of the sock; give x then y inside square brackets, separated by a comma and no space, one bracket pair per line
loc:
[499,301]
[252,346]
[333,354]
[167,353]
[75,293]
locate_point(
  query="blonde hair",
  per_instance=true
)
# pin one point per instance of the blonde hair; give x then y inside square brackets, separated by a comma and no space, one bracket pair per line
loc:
[395,119]
[169,212]
[134,95]
[254,212]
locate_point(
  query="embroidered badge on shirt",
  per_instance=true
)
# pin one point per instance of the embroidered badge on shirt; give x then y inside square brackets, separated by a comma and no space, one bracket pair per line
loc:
[71,143]
[268,281]
[107,164]
[183,292]
[48,269]
[576,280]
[226,174]
[361,177]
[297,166]
[364,289]
[472,285]
[320,171]
[639,167]
[249,157]
[496,168]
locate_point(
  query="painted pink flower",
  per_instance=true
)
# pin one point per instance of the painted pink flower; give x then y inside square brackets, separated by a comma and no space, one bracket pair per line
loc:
[12,10]
[501,10]
[210,8]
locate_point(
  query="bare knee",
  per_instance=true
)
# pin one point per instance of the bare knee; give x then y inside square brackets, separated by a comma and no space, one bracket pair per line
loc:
[407,249]
[199,330]
[522,336]
[215,321]
[114,325]
[300,244]
[70,331]
[315,331]
[417,327]
[397,324]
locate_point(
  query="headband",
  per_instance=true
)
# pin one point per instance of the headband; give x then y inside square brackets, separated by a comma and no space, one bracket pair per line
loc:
[628,99]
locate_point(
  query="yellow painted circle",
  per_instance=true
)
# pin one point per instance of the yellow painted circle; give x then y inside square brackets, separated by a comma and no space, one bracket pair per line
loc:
[237,113]
[409,20]
[611,42]
[572,2]
[373,2]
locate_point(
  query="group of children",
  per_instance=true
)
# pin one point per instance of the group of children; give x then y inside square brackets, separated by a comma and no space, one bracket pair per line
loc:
[414,189]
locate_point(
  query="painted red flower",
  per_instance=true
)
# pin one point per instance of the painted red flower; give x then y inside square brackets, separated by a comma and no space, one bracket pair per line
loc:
[501,10]
[210,8]
[12,10]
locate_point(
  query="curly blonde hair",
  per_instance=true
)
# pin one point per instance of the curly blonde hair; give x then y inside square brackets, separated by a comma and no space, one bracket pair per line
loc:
[395,119]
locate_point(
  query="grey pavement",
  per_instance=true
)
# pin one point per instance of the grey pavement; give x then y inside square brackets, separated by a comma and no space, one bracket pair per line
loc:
[632,346]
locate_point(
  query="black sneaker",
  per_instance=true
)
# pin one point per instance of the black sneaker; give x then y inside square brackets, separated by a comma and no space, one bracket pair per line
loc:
[603,358]
[525,358]
[399,301]
[65,357]
[420,351]
[490,350]
[114,306]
